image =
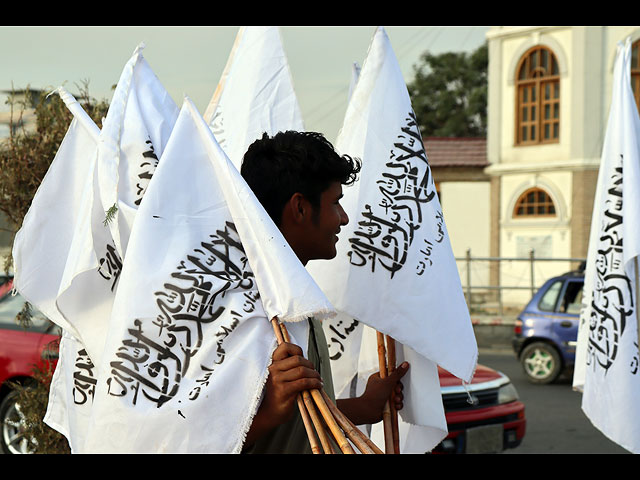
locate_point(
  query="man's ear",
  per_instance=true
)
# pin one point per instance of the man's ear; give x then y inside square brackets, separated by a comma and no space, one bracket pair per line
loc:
[299,207]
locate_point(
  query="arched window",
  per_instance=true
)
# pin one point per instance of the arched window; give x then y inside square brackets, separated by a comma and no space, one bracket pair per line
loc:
[535,202]
[537,98]
[635,71]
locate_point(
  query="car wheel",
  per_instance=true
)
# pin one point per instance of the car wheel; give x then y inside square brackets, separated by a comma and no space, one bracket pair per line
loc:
[541,362]
[12,438]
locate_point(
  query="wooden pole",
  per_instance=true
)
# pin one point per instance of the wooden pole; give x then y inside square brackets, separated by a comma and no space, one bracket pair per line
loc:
[391,366]
[317,396]
[637,280]
[309,422]
[334,428]
[309,407]
[307,417]
[353,432]
[386,412]
[305,405]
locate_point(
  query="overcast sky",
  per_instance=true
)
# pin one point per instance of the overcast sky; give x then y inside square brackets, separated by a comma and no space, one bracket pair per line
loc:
[189,60]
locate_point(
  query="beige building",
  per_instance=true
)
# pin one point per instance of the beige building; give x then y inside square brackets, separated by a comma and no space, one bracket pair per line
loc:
[549,91]
[464,191]
[549,96]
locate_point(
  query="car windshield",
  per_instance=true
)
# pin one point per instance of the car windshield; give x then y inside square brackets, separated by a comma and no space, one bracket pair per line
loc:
[11,305]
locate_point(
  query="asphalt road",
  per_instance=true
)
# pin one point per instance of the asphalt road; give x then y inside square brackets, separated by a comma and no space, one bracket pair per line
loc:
[555,420]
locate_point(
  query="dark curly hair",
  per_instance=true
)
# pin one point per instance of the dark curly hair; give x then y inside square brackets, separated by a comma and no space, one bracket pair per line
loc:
[289,162]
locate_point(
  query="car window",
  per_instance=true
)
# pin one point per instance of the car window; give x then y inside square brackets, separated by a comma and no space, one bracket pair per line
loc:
[550,297]
[10,306]
[572,298]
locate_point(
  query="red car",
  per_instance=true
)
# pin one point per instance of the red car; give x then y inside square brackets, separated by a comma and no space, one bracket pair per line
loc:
[20,350]
[484,417]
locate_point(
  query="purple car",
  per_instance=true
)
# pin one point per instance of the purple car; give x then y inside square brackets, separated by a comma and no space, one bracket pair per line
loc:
[547,329]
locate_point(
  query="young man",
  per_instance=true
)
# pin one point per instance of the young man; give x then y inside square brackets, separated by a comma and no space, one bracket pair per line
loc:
[298,178]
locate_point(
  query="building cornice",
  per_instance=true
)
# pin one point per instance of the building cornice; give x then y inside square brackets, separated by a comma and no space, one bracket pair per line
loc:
[498,169]
[505,32]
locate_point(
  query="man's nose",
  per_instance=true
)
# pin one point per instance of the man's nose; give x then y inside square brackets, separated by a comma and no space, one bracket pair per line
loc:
[344,218]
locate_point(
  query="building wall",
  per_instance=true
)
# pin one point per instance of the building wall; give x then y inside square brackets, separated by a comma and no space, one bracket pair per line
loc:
[546,237]
[465,197]
[566,170]
[466,210]
[467,221]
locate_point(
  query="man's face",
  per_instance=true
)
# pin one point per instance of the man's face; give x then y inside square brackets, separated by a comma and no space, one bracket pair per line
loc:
[324,227]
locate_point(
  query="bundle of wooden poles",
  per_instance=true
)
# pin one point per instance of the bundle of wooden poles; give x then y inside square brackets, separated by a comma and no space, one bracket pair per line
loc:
[387,364]
[323,421]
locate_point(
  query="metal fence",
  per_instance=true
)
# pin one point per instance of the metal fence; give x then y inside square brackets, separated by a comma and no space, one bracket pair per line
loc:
[489,297]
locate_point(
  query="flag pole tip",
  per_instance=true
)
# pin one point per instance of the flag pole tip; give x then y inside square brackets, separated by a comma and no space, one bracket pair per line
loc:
[141,46]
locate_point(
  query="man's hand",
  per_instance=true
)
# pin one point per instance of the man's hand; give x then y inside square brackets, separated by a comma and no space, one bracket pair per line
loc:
[367,409]
[289,374]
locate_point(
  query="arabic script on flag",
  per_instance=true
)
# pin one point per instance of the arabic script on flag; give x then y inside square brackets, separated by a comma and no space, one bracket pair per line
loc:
[612,300]
[154,357]
[385,235]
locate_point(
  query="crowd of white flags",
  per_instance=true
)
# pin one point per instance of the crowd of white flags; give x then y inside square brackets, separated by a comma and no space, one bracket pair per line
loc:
[147,247]
[607,369]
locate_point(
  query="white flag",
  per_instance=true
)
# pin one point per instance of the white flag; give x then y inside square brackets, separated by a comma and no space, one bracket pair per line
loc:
[607,359]
[422,422]
[395,270]
[190,339]
[59,217]
[255,93]
[135,131]
[137,126]
[355,73]
[398,274]
[44,241]
[71,392]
